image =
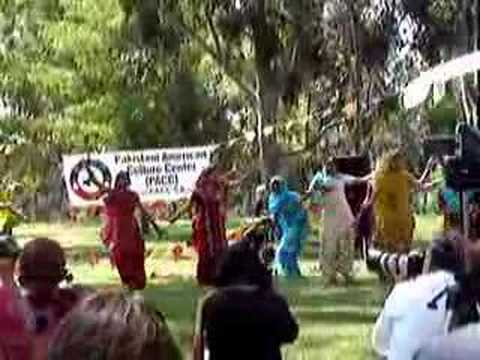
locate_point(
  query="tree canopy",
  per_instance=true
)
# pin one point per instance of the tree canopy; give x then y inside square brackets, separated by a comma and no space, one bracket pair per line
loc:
[283,81]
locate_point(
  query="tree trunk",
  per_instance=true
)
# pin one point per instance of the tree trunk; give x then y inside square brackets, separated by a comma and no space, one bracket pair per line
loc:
[357,83]
[475,46]
[269,85]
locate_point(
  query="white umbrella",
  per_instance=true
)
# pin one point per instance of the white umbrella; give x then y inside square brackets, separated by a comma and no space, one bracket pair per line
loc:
[418,90]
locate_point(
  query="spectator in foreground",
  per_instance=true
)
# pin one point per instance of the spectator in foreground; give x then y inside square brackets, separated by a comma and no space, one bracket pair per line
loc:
[9,252]
[462,344]
[113,326]
[15,341]
[414,312]
[42,268]
[244,308]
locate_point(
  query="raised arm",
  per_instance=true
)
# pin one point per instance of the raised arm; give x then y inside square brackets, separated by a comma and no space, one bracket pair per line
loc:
[317,180]
[427,171]
[234,179]
[187,208]
[12,209]
[354,180]
[94,179]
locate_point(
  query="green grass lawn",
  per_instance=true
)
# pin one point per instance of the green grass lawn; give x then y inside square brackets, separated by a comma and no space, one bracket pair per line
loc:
[335,323]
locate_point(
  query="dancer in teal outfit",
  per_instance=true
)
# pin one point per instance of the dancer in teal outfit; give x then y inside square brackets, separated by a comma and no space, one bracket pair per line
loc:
[292,219]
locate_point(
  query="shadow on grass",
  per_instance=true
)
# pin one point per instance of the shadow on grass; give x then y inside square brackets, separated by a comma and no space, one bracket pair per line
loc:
[178,302]
[336,317]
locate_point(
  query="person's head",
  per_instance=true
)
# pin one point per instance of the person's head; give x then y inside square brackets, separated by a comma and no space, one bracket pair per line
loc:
[243,264]
[113,326]
[445,254]
[122,180]
[42,267]
[278,185]
[220,159]
[9,252]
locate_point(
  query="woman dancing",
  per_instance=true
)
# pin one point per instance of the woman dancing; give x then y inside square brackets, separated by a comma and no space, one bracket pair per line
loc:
[338,238]
[393,208]
[208,207]
[291,217]
[121,233]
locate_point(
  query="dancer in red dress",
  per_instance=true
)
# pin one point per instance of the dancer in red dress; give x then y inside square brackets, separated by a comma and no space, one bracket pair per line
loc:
[209,214]
[208,207]
[121,233]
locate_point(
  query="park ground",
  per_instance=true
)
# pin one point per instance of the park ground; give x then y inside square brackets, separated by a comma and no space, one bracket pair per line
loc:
[335,323]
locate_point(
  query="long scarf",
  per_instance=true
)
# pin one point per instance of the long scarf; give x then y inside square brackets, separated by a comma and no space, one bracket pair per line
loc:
[211,191]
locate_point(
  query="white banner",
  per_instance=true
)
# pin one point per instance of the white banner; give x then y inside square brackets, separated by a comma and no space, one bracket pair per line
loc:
[156,174]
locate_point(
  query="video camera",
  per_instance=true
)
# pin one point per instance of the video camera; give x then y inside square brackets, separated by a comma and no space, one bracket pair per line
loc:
[462,163]
[462,152]
[463,169]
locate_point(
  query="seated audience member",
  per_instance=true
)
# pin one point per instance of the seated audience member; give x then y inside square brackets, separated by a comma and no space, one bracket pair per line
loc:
[461,344]
[42,268]
[113,326]
[15,341]
[244,308]
[414,312]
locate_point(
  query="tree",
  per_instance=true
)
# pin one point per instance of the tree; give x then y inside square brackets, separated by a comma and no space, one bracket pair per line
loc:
[83,77]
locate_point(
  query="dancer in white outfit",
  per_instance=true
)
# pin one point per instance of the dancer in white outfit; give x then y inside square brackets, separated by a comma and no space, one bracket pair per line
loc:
[338,238]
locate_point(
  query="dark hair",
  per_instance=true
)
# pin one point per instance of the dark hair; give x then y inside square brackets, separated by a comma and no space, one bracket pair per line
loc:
[43,257]
[9,247]
[123,176]
[242,263]
[445,255]
[113,326]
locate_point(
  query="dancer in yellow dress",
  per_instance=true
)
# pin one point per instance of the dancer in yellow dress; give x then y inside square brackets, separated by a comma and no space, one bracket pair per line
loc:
[393,187]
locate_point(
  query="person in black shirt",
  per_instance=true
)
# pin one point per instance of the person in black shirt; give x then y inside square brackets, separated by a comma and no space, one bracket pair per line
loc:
[244,317]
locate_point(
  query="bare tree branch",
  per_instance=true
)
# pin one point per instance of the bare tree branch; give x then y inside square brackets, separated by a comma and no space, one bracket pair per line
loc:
[215,36]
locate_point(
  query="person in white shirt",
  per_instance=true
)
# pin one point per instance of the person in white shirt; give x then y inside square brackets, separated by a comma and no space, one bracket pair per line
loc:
[415,311]
[462,344]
